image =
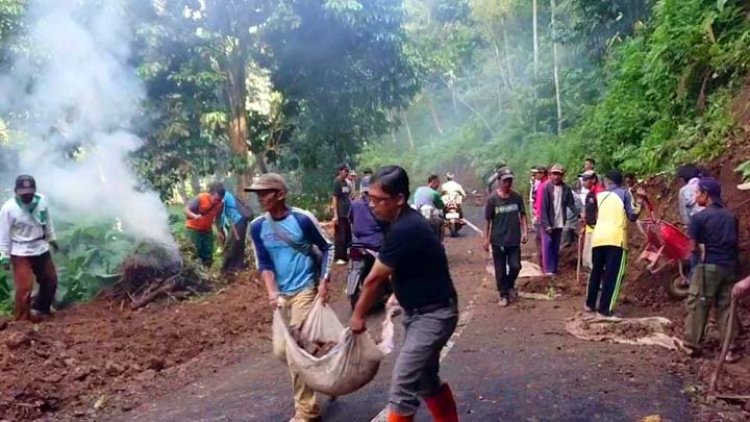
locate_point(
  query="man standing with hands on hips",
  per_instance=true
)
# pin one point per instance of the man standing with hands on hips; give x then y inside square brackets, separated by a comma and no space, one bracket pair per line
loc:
[414,257]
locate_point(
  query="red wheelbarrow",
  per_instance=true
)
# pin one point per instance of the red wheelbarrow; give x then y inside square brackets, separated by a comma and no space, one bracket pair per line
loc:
[665,245]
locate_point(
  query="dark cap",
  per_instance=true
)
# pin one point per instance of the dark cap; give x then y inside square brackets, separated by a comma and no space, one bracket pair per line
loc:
[268,181]
[343,167]
[615,176]
[25,184]
[712,187]
[541,169]
[504,174]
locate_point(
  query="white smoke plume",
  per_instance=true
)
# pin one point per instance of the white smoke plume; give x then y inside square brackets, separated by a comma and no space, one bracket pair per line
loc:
[80,97]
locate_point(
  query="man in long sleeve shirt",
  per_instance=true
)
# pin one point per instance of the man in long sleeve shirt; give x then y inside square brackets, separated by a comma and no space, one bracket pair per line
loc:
[26,234]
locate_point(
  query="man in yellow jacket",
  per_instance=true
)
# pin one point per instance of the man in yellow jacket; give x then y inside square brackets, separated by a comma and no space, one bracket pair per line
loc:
[610,243]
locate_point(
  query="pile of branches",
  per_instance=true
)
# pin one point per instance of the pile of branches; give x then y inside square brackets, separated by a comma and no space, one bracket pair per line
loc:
[154,272]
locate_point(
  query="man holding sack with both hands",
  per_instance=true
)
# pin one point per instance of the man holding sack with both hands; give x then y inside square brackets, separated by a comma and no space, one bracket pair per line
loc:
[293,271]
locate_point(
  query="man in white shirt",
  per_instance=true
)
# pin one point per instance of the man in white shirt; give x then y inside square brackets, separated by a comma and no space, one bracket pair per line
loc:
[26,235]
[453,189]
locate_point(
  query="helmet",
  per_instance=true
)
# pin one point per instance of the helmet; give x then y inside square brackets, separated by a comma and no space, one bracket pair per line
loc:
[449,175]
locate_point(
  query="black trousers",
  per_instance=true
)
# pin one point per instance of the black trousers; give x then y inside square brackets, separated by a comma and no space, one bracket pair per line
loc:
[608,269]
[507,260]
[342,239]
[234,249]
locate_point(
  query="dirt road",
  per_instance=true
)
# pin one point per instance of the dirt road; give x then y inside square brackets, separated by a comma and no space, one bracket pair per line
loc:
[514,363]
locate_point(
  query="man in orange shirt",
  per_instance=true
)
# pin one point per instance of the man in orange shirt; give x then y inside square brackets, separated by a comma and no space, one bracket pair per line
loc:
[202,212]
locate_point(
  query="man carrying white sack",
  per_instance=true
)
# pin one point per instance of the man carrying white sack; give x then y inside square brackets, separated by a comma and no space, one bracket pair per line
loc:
[415,258]
[283,240]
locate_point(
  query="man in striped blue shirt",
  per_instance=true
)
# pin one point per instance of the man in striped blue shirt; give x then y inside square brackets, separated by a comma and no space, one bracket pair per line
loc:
[285,241]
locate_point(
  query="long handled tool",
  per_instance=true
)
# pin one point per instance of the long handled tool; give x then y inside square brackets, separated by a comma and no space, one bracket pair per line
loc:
[724,348]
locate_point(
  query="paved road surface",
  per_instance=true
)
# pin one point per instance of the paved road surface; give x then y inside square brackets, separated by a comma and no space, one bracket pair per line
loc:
[511,364]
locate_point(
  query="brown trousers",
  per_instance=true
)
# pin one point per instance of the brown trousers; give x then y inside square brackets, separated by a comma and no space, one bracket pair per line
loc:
[25,269]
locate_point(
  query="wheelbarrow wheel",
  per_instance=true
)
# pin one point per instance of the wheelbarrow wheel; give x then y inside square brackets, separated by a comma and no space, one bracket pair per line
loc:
[678,287]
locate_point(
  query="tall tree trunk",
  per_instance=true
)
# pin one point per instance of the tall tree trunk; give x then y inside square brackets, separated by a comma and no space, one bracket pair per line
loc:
[500,82]
[195,184]
[433,112]
[182,190]
[408,130]
[260,163]
[469,107]
[237,130]
[393,122]
[556,68]
[536,38]
[506,49]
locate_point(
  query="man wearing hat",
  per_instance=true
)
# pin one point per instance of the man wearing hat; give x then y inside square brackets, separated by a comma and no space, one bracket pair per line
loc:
[557,199]
[505,230]
[609,243]
[342,206]
[714,239]
[284,241]
[26,235]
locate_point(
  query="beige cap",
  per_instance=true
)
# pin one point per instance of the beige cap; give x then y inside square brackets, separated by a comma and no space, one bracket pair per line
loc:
[557,168]
[268,181]
[744,186]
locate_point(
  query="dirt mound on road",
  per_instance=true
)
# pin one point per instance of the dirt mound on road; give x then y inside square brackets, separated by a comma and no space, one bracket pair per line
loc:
[97,357]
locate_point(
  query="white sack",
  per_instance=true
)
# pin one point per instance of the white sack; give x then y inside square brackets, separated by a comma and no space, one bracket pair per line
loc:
[349,366]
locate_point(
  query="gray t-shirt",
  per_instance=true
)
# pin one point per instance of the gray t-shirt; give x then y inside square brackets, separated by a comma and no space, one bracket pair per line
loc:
[557,203]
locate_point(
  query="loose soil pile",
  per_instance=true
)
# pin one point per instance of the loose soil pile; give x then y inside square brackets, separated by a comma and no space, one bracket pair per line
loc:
[100,357]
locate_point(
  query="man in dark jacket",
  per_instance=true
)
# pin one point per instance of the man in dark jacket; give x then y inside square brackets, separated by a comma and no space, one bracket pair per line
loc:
[557,197]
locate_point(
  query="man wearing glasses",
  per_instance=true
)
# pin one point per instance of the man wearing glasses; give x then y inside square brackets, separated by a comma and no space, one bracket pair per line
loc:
[413,256]
[283,241]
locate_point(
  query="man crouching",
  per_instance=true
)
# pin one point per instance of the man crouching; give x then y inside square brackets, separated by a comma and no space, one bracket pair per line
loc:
[26,234]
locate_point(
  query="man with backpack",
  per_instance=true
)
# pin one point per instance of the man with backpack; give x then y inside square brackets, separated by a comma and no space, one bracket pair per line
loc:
[234,218]
[202,212]
[294,272]
[609,243]
[590,181]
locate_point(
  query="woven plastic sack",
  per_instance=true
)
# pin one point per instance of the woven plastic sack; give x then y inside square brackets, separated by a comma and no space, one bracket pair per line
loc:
[346,368]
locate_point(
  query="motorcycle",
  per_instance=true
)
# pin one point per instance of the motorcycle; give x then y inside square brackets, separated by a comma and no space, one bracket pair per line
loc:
[361,261]
[453,218]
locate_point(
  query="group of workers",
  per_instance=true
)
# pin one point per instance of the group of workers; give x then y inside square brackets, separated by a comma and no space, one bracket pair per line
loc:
[287,242]
[294,257]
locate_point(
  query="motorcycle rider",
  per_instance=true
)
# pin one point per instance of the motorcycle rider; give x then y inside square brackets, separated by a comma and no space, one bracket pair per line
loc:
[428,202]
[453,191]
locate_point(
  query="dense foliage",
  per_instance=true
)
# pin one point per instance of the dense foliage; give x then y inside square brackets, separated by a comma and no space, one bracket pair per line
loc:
[643,85]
